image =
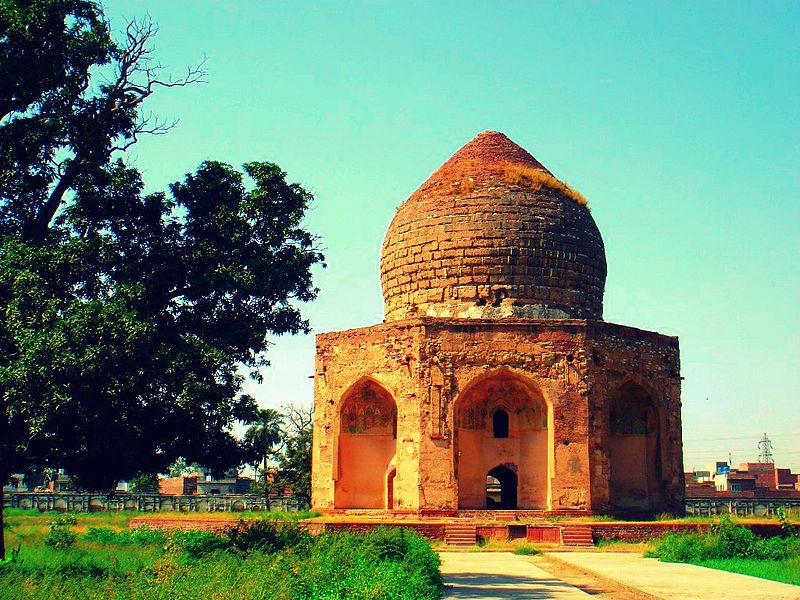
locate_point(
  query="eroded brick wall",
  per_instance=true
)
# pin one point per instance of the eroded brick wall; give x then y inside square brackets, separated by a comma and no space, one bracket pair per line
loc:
[620,356]
[428,364]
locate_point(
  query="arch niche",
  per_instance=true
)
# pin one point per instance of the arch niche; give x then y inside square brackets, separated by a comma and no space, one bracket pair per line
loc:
[367,443]
[501,439]
[634,438]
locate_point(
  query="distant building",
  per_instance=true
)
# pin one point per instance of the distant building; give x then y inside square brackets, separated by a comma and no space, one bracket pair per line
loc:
[184,485]
[751,479]
[204,483]
[214,487]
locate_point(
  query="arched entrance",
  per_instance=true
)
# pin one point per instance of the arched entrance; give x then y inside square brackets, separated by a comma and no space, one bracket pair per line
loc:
[635,483]
[501,420]
[501,489]
[367,443]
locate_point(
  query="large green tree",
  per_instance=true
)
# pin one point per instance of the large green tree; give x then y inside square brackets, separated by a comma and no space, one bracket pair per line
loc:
[125,317]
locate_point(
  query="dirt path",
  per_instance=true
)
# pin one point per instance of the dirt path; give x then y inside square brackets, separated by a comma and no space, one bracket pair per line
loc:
[600,588]
[674,581]
[501,575]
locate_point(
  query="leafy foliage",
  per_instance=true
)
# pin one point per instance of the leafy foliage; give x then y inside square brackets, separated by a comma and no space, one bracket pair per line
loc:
[267,536]
[60,536]
[127,314]
[725,540]
[526,550]
[266,561]
[144,483]
[260,439]
[140,536]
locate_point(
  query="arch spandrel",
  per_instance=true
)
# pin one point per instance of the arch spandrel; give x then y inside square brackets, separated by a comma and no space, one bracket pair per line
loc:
[367,408]
[503,389]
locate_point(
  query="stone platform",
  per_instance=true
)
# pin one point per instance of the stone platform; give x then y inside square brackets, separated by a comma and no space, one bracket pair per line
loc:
[463,527]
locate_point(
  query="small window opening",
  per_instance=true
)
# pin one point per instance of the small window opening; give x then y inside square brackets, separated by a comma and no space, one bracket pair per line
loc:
[500,424]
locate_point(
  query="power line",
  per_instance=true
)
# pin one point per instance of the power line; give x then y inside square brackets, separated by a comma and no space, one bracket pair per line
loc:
[726,450]
[744,437]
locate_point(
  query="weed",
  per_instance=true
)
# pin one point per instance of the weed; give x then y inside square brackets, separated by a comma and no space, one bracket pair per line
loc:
[526,550]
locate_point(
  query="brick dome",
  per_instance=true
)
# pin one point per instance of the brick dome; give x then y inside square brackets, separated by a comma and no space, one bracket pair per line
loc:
[492,233]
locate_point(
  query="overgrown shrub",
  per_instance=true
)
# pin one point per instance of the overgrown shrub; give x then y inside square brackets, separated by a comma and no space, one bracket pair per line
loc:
[268,536]
[385,563]
[103,535]
[145,536]
[141,536]
[387,543]
[59,535]
[789,528]
[267,560]
[724,540]
[195,544]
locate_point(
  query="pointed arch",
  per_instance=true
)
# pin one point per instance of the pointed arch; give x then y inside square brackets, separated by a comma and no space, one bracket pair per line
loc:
[519,436]
[634,439]
[367,442]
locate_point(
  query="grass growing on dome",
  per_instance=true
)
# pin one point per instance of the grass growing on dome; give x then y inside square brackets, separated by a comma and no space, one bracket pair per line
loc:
[536,179]
[465,176]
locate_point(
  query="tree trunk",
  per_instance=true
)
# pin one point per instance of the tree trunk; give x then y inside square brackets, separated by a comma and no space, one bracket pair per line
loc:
[2,522]
[266,484]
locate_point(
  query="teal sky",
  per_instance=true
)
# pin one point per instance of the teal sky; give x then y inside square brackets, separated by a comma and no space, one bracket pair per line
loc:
[678,121]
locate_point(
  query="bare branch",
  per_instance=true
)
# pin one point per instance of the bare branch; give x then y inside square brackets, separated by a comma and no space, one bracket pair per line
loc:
[138,74]
[298,416]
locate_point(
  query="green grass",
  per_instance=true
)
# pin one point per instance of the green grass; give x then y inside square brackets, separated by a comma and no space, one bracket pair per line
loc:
[785,571]
[259,560]
[731,547]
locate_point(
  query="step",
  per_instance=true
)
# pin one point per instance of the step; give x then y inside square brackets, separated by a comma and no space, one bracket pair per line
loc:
[460,535]
[576,535]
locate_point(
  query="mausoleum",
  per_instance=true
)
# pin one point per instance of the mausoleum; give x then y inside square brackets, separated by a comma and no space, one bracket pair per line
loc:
[493,382]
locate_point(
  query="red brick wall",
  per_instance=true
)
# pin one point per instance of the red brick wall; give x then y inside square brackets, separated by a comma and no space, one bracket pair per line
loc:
[642,532]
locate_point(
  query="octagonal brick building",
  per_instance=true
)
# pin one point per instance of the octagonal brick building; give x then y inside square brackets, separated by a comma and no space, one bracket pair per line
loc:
[493,382]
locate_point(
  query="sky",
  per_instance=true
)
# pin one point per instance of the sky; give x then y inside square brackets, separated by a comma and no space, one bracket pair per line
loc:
[678,121]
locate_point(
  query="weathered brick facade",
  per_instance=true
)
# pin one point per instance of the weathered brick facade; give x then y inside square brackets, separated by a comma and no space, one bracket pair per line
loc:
[493,361]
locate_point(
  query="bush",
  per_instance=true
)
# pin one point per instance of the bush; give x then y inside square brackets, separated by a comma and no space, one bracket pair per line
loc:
[677,547]
[387,543]
[728,540]
[59,536]
[143,536]
[725,540]
[385,563]
[268,536]
[140,536]
[195,544]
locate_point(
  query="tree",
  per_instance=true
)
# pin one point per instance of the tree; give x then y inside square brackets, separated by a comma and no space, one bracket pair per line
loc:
[294,462]
[126,316]
[144,483]
[181,468]
[261,437]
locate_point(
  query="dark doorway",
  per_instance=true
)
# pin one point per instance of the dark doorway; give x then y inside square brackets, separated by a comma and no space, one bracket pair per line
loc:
[500,423]
[506,479]
[390,487]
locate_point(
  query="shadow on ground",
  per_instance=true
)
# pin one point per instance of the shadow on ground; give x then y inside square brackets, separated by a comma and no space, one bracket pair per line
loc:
[482,585]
